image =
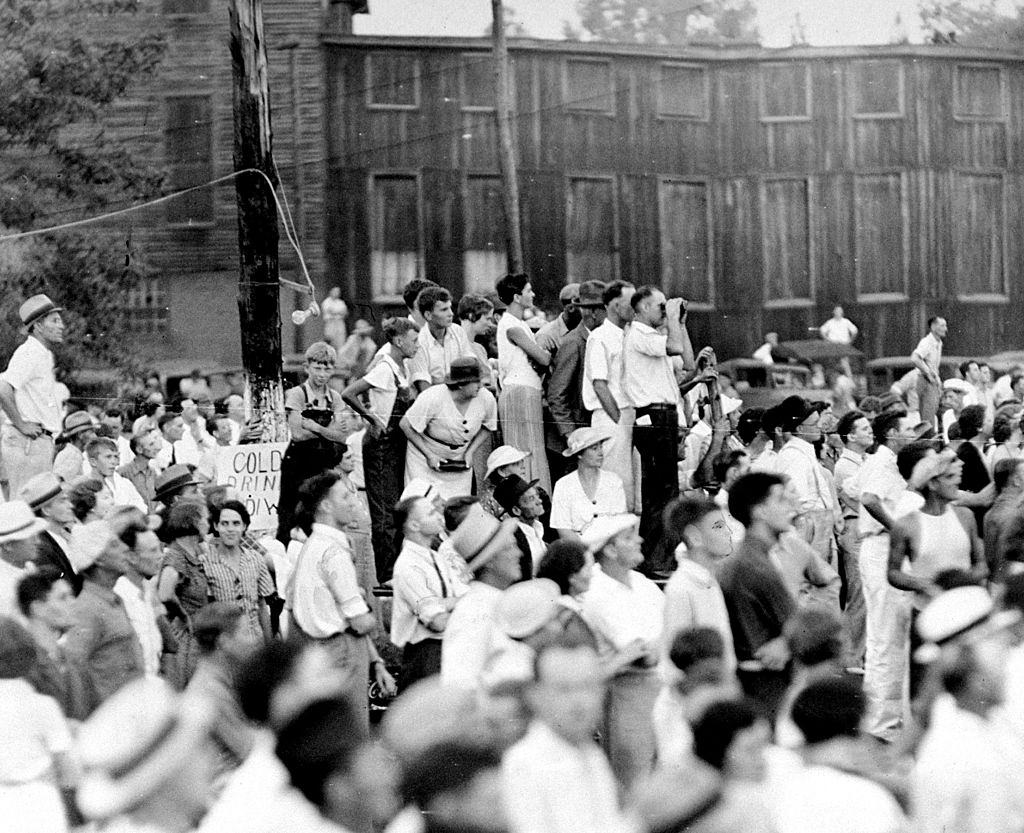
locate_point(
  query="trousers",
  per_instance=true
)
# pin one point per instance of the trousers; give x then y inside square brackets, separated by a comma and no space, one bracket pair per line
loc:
[24,458]
[853,591]
[657,445]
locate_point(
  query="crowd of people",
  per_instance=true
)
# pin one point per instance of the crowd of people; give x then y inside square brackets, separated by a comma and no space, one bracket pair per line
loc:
[586,587]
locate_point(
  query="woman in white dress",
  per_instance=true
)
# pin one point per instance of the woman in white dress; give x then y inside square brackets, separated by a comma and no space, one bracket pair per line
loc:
[445,426]
[588,492]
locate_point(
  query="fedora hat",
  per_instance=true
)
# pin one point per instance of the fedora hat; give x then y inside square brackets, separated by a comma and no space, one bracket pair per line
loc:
[18,521]
[592,295]
[503,455]
[75,423]
[134,743]
[172,479]
[463,370]
[40,489]
[35,308]
[583,438]
[481,536]
[510,489]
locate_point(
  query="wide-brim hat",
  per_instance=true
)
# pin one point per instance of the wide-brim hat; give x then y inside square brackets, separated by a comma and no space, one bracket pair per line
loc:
[583,438]
[172,479]
[481,536]
[134,743]
[18,521]
[75,423]
[503,455]
[958,614]
[40,489]
[794,410]
[526,607]
[510,489]
[462,371]
[36,307]
[603,528]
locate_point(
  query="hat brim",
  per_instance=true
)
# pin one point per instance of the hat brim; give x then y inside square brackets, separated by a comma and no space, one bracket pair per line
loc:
[74,432]
[529,485]
[492,469]
[36,526]
[174,487]
[45,311]
[503,537]
[571,452]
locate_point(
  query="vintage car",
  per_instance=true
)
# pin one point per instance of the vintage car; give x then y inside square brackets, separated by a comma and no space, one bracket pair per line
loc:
[883,372]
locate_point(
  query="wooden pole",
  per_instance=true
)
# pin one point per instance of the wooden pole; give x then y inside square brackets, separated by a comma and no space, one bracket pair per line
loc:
[258,284]
[506,150]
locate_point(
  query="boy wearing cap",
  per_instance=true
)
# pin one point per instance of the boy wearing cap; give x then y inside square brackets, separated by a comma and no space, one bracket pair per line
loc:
[70,462]
[30,395]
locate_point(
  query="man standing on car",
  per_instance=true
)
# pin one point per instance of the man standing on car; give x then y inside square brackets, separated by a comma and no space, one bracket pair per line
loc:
[926,358]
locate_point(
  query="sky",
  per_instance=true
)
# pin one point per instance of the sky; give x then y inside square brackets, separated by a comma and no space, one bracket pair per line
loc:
[825,22]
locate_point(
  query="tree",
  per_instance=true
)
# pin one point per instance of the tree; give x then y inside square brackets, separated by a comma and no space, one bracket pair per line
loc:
[666,21]
[514,27]
[973,23]
[63,63]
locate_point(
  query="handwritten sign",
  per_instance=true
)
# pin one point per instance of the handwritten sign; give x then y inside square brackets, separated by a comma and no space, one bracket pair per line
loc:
[255,471]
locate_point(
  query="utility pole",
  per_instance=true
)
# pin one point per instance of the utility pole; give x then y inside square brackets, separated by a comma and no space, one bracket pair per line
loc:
[258,283]
[506,150]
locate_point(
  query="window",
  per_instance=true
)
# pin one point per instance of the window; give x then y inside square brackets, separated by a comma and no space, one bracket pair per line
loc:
[787,255]
[394,233]
[146,306]
[683,92]
[785,92]
[189,156]
[477,79]
[878,237]
[686,241]
[877,89]
[591,230]
[392,81]
[588,86]
[186,6]
[484,260]
[978,235]
[978,93]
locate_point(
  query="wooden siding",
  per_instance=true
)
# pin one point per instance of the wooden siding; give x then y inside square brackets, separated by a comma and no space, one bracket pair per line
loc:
[770,185]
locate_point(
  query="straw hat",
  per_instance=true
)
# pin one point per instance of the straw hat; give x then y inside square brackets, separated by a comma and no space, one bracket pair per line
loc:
[172,479]
[75,423]
[36,307]
[503,455]
[18,522]
[584,438]
[955,614]
[481,536]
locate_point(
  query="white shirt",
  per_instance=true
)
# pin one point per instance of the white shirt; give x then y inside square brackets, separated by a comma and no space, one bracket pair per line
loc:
[421,582]
[764,354]
[693,598]
[551,786]
[647,369]
[572,509]
[513,364]
[929,350]
[766,461]
[798,461]
[839,331]
[385,378]
[433,358]
[619,614]
[36,392]
[123,492]
[32,731]
[603,360]
[467,637]
[823,798]
[880,477]
[324,591]
[139,607]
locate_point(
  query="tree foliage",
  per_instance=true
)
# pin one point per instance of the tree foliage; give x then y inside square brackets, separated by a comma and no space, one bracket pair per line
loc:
[988,23]
[63,65]
[666,21]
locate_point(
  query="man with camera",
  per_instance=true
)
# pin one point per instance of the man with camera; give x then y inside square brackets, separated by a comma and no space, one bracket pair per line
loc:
[657,333]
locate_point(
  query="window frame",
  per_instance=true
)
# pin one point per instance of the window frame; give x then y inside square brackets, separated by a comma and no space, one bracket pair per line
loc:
[812,278]
[574,106]
[901,84]
[762,87]
[211,98]
[706,82]
[616,247]
[971,118]
[986,297]
[905,242]
[481,108]
[395,173]
[696,306]
[368,75]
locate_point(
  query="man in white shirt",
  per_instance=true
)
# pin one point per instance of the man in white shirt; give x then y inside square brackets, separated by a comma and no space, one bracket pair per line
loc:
[649,384]
[488,547]
[103,457]
[327,605]
[172,430]
[603,396]
[838,329]
[137,591]
[926,357]
[30,395]
[438,342]
[556,779]
[764,352]
[626,612]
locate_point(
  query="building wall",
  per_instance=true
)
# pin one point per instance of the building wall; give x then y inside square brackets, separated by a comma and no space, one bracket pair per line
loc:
[766,187]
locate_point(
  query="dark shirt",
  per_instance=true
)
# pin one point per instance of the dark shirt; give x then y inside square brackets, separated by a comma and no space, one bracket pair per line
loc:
[58,677]
[102,641]
[565,383]
[755,596]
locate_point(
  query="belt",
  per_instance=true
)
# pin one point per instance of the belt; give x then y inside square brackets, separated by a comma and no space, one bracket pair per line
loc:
[657,406]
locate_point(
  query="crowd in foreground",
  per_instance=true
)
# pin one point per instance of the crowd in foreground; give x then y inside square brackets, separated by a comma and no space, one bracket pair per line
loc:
[637,607]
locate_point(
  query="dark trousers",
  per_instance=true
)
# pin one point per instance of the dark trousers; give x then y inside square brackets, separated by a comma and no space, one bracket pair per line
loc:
[657,444]
[419,661]
[384,473]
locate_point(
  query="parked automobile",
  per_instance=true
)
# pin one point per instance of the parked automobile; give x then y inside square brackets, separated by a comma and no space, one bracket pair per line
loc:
[883,372]
[764,386]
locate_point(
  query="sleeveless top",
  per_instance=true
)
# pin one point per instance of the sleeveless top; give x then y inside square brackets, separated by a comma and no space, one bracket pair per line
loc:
[944,545]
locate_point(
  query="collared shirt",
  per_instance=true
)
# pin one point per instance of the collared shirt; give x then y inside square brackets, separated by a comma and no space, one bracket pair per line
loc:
[555,787]
[603,360]
[141,475]
[457,567]
[847,466]
[33,730]
[70,464]
[647,368]
[467,637]
[36,392]
[102,640]
[929,350]
[693,598]
[552,334]
[139,605]
[572,509]
[324,591]
[620,613]
[422,581]
[123,493]
[514,366]
[799,463]
[244,580]
[878,476]
[433,358]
